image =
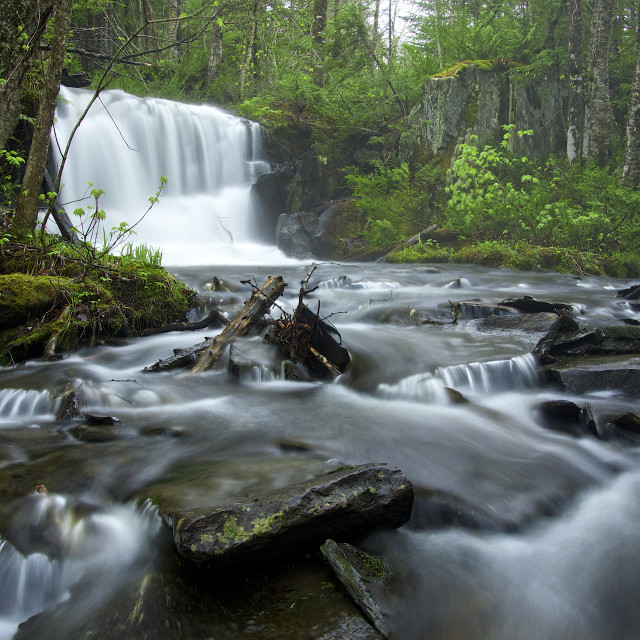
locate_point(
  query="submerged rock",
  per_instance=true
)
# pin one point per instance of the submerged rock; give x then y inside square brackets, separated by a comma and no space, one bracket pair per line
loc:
[343,504]
[625,426]
[564,416]
[527,322]
[435,508]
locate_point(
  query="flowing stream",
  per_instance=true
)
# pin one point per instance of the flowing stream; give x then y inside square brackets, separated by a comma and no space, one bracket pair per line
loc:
[555,559]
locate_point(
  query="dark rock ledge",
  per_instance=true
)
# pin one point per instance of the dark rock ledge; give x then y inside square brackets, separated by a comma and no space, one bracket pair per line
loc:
[344,504]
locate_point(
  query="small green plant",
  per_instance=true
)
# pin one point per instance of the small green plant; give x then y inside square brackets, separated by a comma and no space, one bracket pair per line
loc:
[96,244]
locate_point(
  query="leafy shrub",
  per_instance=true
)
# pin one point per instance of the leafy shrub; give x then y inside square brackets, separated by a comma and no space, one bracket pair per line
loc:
[494,194]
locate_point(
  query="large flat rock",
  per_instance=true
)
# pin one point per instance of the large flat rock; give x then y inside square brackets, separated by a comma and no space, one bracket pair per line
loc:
[343,504]
[598,373]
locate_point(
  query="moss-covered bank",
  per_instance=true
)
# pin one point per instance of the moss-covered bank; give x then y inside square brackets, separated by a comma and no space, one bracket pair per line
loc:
[521,256]
[51,303]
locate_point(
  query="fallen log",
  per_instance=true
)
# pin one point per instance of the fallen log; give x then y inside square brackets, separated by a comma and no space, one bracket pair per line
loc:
[253,310]
[425,234]
[181,358]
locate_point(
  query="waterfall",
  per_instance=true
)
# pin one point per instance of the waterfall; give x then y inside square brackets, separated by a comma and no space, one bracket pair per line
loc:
[209,157]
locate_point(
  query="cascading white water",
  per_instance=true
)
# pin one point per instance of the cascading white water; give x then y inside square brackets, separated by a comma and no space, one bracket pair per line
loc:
[125,145]
[520,372]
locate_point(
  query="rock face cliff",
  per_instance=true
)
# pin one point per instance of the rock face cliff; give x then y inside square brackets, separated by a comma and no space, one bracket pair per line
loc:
[478,98]
[305,205]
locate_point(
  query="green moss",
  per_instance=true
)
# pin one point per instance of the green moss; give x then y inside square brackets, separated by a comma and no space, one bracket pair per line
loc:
[265,524]
[232,532]
[471,109]
[520,256]
[493,64]
[78,306]
[24,298]
[372,566]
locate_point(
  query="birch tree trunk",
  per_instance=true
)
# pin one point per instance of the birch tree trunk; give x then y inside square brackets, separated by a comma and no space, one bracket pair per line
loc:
[172,28]
[215,54]
[631,167]
[598,112]
[27,209]
[575,130]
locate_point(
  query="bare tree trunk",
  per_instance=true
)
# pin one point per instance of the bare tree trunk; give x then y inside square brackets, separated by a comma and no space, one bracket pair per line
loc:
[576,96]
[391,28]
[27,209]
[631,166]
[148,15]
[376,23]
[21,27]
[172,28]
[215,55]
[438,45]
[317,33]
[598,112]
[251,42]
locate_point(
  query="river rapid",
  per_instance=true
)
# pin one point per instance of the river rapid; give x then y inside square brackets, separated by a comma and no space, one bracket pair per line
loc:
[553,557]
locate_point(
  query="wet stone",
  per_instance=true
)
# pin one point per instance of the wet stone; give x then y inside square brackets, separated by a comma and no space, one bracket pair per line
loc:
[626,426]
[362,575]
[527,322]
[594,373]
[88,433]
[563,416]
[343,504]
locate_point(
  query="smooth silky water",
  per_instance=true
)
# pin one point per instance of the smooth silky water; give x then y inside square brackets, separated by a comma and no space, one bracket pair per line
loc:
[562,567]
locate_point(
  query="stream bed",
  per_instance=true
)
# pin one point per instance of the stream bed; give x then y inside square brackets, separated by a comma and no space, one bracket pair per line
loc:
[553,555]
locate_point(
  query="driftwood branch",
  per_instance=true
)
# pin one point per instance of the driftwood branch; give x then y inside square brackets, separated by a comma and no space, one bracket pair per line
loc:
[215,317]
[254,308]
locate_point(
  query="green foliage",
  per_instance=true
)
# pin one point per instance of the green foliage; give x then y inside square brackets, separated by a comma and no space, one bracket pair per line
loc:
[497,195]
[396,200]
[10,160]
[96,244]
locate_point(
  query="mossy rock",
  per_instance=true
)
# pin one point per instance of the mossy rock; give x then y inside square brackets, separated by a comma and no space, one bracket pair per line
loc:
[49,313]
[24,298]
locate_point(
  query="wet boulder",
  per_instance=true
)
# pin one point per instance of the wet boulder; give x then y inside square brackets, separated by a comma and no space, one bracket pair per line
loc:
[625,426]
[563,416]
[528,304]
[294,231]
[565,340]
[597,373]
[630,293]
[344,504]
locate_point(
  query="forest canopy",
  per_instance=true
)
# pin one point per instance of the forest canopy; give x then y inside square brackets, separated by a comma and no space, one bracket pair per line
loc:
[347,74]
